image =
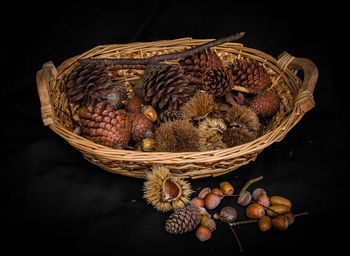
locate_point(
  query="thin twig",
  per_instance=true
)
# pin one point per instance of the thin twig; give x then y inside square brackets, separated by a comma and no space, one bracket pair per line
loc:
[234,233]
[164,57]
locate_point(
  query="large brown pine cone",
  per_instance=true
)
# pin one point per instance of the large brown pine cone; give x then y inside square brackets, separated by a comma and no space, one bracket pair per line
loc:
[197,64]
[217,81]
[249,74]
[87,83]
[103,125]
[183,220]
[167,88]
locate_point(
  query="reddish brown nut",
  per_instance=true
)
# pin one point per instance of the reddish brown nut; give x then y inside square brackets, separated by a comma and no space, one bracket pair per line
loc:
[255,211]
[264,200]
[197,202]
[280,222]
[211,201]
[204,192]
[203,233]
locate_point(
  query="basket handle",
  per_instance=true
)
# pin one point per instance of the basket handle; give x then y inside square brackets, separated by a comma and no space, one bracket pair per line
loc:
[305,98]
[43,77]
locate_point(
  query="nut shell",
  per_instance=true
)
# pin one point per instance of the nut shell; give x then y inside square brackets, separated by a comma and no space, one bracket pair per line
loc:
[211,201]
[255,211]
[203,233]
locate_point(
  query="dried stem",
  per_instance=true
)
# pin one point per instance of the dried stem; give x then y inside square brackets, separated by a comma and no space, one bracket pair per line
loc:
[164,57]
[250,182]
[234,233]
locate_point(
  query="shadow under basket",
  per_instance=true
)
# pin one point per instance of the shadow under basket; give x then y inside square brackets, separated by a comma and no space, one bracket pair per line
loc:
[296,98]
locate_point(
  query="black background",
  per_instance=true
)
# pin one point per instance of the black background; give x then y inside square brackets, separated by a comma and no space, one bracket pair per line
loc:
[54,201]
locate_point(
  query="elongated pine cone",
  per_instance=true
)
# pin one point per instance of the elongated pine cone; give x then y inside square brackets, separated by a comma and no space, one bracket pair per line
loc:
[217,81]
[183,220]
[167,88]
[199,63]
[105,126]
[249,74]
[87,83]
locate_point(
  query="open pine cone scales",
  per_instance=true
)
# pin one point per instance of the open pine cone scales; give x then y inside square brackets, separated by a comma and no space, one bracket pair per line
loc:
[88,82]
[167,88]
[183,220]
[199,63]
[217,81]
[249,74]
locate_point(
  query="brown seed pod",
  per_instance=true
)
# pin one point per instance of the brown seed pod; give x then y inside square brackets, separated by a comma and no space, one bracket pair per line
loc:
[255,211]
[211,201]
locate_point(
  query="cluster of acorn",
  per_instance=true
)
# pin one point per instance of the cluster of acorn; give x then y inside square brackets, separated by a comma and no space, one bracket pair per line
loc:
[267,212]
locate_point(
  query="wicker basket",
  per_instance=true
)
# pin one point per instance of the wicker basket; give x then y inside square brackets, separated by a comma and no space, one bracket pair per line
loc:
[296,98]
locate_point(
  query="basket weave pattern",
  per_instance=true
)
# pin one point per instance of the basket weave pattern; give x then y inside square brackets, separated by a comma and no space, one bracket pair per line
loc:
[296,98]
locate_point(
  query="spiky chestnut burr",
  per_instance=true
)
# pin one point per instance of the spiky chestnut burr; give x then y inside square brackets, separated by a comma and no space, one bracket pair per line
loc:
[165,191]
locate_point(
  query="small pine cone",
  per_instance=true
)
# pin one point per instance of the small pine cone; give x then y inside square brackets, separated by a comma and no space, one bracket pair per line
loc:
[249,74]
[166,87]
[141,126]
[183,220]
[217,81]
[199,63]
[115,95]
[87,82]
[265,104]
[105,126]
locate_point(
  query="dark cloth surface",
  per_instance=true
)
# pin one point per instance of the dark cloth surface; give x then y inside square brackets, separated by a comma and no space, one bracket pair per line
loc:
[55,202]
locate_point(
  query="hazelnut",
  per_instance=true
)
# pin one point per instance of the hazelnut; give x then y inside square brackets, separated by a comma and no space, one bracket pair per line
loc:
[203,233]
[258,192]
[264,200]
[204,192]
[211,201]
[226,188]
[255,211]
[210,223]
[280,222]
[218,192]
[148,144]
[244,198]
[197,202]
[264,223]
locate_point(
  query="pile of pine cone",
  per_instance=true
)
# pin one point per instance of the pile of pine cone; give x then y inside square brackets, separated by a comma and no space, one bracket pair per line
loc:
[193,105]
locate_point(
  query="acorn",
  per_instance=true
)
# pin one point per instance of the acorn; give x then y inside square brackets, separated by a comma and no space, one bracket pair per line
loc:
[276,209]
[255,211]
[226,188]
[244,198]
[280,200]
[210,223]
[165,191]
[258,192]
[264,223]
[211,201]
[280,222]
[218,192]
[147,144]
[203,233]
[227,214]
[149,112]
[290,217]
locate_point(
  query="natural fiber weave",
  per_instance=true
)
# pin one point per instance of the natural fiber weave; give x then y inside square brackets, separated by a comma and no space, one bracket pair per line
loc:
[296,98]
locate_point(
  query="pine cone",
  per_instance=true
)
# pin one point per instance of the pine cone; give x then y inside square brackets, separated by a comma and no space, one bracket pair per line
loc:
[87,82]
[199,63]
[183,220]
[265,104]
[115,95]
[167,88]
[249,74]
[141,126]
[217,81]
[105,126]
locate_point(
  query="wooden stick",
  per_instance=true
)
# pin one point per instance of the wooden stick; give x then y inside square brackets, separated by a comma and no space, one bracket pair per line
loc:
[164,57]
